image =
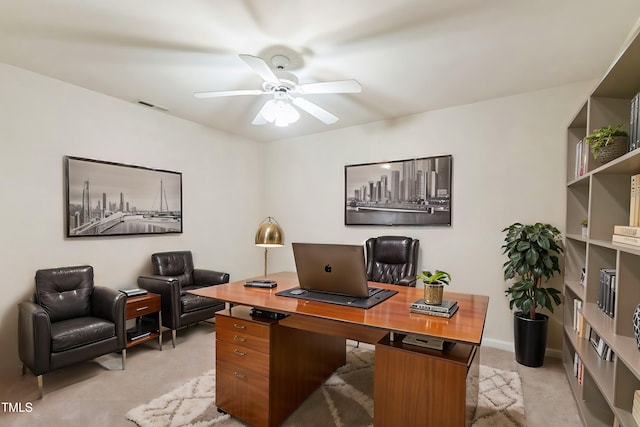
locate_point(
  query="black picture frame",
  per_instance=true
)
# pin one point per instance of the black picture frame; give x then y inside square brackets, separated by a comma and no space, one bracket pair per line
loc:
[115,199]
[399,192]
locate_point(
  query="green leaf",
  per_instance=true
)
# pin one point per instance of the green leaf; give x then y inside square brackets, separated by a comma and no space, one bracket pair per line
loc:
[532,253]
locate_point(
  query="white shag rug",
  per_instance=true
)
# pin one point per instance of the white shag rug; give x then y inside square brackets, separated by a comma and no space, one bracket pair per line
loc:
[344,400]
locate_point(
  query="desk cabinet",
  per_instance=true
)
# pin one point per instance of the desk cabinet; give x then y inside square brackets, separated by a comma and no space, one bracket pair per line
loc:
[423,387]
[265,370]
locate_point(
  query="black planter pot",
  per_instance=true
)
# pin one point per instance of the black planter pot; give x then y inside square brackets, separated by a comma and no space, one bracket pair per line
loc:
[530,339]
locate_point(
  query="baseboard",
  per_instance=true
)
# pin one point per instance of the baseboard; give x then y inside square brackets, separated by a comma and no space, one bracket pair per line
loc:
[508,346]
[500,345]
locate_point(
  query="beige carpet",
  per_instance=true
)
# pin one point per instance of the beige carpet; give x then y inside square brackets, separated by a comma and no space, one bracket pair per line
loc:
[344,400]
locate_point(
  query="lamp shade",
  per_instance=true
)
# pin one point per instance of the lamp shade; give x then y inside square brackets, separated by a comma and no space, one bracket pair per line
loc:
[269,234]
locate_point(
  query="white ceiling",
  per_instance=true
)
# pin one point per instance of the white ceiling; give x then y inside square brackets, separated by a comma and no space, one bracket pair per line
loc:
[410,56]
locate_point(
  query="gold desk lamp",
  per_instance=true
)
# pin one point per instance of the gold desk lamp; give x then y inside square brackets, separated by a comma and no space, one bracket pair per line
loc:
[269,235]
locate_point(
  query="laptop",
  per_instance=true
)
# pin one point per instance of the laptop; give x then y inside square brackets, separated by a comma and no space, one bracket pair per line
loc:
[334,273]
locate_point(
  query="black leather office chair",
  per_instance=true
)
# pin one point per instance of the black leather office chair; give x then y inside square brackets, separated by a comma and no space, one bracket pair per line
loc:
[392,259]
[70,321]
[174,275]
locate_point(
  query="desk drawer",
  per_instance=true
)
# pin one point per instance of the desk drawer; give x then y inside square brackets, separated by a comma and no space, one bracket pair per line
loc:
[238,336]
[243,326]
[242,358]
[141,307]
[242,394]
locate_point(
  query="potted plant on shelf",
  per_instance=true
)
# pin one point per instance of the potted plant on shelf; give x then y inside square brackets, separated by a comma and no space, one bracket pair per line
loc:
[608,143]
[434,285]
[585,225]
[533,252]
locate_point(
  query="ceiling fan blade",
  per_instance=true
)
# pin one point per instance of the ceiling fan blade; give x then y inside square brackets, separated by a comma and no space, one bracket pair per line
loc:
[260,67]
[316,111]
[222,93]
[339,86]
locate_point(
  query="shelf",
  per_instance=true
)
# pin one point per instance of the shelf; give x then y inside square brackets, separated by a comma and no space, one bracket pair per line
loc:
[622,80]
[602,195]
[576,288]
[150,337]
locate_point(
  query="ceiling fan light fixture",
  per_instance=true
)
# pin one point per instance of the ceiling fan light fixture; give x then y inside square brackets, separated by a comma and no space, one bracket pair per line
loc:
[280,112]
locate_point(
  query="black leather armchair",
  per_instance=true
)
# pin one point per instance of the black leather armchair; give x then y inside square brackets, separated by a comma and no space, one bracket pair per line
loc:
[392,259]
[70,321]
[174,275]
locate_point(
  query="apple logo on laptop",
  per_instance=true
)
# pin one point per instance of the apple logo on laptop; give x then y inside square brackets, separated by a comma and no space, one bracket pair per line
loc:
[327,268]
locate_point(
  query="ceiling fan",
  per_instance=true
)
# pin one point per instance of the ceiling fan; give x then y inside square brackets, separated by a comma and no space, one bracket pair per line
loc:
[284,87]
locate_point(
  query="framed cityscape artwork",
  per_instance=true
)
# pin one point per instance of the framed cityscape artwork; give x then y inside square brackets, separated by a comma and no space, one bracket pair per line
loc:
[111,199]
[399,192]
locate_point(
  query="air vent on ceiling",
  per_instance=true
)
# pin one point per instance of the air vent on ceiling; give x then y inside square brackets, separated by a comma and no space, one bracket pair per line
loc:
[150,105]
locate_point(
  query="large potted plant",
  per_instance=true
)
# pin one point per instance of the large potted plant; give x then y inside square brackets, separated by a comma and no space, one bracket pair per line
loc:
[533,252]
[608,143]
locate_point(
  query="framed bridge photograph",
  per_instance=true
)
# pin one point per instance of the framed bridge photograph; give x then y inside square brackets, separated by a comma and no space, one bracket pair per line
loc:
[112,199]
[399,192]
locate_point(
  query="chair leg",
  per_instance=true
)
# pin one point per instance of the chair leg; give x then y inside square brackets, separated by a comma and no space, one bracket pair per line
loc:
[124,357]
[24,370]
[173,338]
[40,387]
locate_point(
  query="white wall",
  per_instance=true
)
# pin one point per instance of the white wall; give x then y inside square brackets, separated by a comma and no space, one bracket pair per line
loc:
[42,119]
[508,165]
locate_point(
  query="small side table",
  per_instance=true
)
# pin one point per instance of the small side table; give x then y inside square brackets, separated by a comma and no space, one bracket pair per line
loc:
[137,308]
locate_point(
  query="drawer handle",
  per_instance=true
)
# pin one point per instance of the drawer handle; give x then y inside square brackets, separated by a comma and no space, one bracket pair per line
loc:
[239,375]
[239,353]
[235,325]
[142,308]
[238,338]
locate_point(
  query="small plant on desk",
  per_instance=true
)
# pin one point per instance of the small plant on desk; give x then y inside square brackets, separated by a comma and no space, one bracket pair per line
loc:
[434,285]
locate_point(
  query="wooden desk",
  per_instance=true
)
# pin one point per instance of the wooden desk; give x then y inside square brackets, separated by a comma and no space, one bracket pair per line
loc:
[412,385]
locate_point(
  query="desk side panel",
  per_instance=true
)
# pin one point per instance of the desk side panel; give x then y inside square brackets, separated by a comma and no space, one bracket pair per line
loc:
[420,388]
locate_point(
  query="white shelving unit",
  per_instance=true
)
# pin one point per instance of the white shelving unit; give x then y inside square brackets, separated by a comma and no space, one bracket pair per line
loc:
[602,195]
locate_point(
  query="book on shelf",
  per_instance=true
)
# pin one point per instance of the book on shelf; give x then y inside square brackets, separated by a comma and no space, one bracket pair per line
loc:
[633,126]
[578,368]
[633,214]
[634,135]
[579,324]
[607,291]
[627,240]
[626,230]
[636,407]
[445,307]
[582,152]
[136,334]
[435,313]
[612,297]
[602,349]
[579,171]
[636,203]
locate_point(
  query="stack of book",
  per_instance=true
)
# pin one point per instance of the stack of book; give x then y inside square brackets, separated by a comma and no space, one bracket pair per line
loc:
[446,309]
[627,235]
